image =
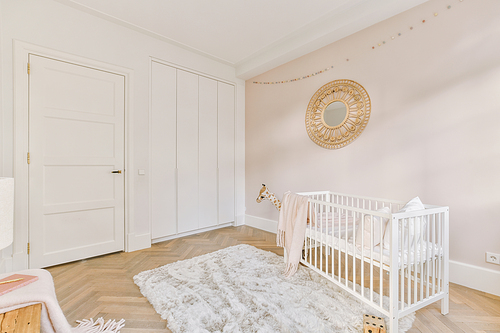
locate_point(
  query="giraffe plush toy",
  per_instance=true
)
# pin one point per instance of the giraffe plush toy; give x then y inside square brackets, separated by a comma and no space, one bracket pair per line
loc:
[265,194]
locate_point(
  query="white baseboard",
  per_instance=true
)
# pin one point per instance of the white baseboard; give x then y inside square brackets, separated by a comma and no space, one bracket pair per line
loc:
[138,242]
[194,232]
[475,277]
[261,223]
[240,220]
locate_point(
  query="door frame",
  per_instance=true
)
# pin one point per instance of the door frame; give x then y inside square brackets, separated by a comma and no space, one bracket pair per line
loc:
[21,109]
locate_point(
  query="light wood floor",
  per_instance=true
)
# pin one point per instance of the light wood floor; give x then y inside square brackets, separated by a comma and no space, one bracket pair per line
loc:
[103,286]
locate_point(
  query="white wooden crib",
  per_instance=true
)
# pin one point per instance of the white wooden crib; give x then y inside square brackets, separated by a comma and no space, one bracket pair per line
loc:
[405,258]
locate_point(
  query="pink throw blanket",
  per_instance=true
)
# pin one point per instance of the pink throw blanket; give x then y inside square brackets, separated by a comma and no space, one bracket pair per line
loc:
[41,291]
[291,229]
[52,319]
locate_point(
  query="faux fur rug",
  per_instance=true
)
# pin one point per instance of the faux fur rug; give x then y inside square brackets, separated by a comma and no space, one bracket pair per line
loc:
[242,289]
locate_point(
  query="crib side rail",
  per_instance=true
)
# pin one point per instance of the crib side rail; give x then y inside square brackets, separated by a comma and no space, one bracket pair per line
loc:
[349,200]
[419,264]
[334,207]
[405,260]
[338,247]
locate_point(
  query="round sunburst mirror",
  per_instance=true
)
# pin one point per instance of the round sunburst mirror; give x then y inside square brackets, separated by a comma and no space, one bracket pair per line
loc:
[337,114]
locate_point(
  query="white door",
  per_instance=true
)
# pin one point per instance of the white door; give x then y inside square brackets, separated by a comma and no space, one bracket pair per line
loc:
[76,147]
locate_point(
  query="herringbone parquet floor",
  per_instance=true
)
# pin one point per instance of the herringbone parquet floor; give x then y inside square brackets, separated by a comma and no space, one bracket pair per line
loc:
[103,286]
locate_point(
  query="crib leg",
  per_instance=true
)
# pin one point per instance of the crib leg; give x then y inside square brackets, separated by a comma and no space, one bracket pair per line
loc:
[445,306]
[445,302]
[393,322]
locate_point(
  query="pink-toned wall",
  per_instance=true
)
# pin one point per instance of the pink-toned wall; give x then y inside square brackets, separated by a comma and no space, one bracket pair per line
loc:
[434,129]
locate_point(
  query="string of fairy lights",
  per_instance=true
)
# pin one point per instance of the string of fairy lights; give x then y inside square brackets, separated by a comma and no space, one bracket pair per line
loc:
[374,46]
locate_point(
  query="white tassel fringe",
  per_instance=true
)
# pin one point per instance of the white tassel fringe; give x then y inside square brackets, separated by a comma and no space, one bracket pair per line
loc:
[290,269]
[99,326]
[280,238]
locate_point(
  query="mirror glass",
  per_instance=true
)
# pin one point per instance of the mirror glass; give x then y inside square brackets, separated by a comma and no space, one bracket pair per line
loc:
[335,113]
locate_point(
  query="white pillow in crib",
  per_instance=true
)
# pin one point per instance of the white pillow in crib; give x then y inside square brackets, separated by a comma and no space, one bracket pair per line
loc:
[413,204]
[376,227]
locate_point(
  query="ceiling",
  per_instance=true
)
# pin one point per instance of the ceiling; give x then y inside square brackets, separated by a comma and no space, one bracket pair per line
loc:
[251,35]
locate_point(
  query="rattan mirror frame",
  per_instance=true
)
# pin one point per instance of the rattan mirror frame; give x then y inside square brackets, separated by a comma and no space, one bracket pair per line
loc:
[358,103]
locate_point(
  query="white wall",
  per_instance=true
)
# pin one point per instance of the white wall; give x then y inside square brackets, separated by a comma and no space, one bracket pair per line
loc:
[56,26]
[434,130]
[6,254]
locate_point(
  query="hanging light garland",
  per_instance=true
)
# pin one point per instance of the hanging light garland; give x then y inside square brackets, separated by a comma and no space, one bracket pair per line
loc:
[393,37]
[296,79]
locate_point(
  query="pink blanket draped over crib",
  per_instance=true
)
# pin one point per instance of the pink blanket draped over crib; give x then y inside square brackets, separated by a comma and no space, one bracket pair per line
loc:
[291,229]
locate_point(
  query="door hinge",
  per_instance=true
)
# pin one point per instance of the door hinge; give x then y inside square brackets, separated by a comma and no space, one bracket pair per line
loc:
[28,158]
[28,68]
[28,248]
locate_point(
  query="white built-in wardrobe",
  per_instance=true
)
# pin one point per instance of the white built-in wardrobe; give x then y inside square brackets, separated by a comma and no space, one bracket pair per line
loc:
[193,152]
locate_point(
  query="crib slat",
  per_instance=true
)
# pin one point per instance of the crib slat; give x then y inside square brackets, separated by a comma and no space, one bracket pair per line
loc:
[316,240]
[402,263]
[429,262]
[354,251]
[333,244]
[339,267]
[408,264]
[433,256]
[371,257]
[310,231]
[347,246]
[321,233]
[329,217]
[370,240]
[415,267]
[329,231]
[362,228]
[345,252]
[381,270]
[422,256]
[332,198]
[439,254]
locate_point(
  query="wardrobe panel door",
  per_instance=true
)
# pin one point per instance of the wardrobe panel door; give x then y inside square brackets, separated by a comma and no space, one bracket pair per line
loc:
[187,151]
[163,151]
[226,161]
[208,152]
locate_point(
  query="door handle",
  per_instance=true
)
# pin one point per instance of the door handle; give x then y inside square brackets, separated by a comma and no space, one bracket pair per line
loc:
[116,171]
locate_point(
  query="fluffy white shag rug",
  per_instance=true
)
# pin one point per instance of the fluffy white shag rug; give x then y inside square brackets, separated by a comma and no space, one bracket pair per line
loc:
[242,289]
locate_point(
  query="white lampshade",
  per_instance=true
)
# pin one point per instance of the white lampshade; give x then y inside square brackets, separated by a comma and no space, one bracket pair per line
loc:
[6,211]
